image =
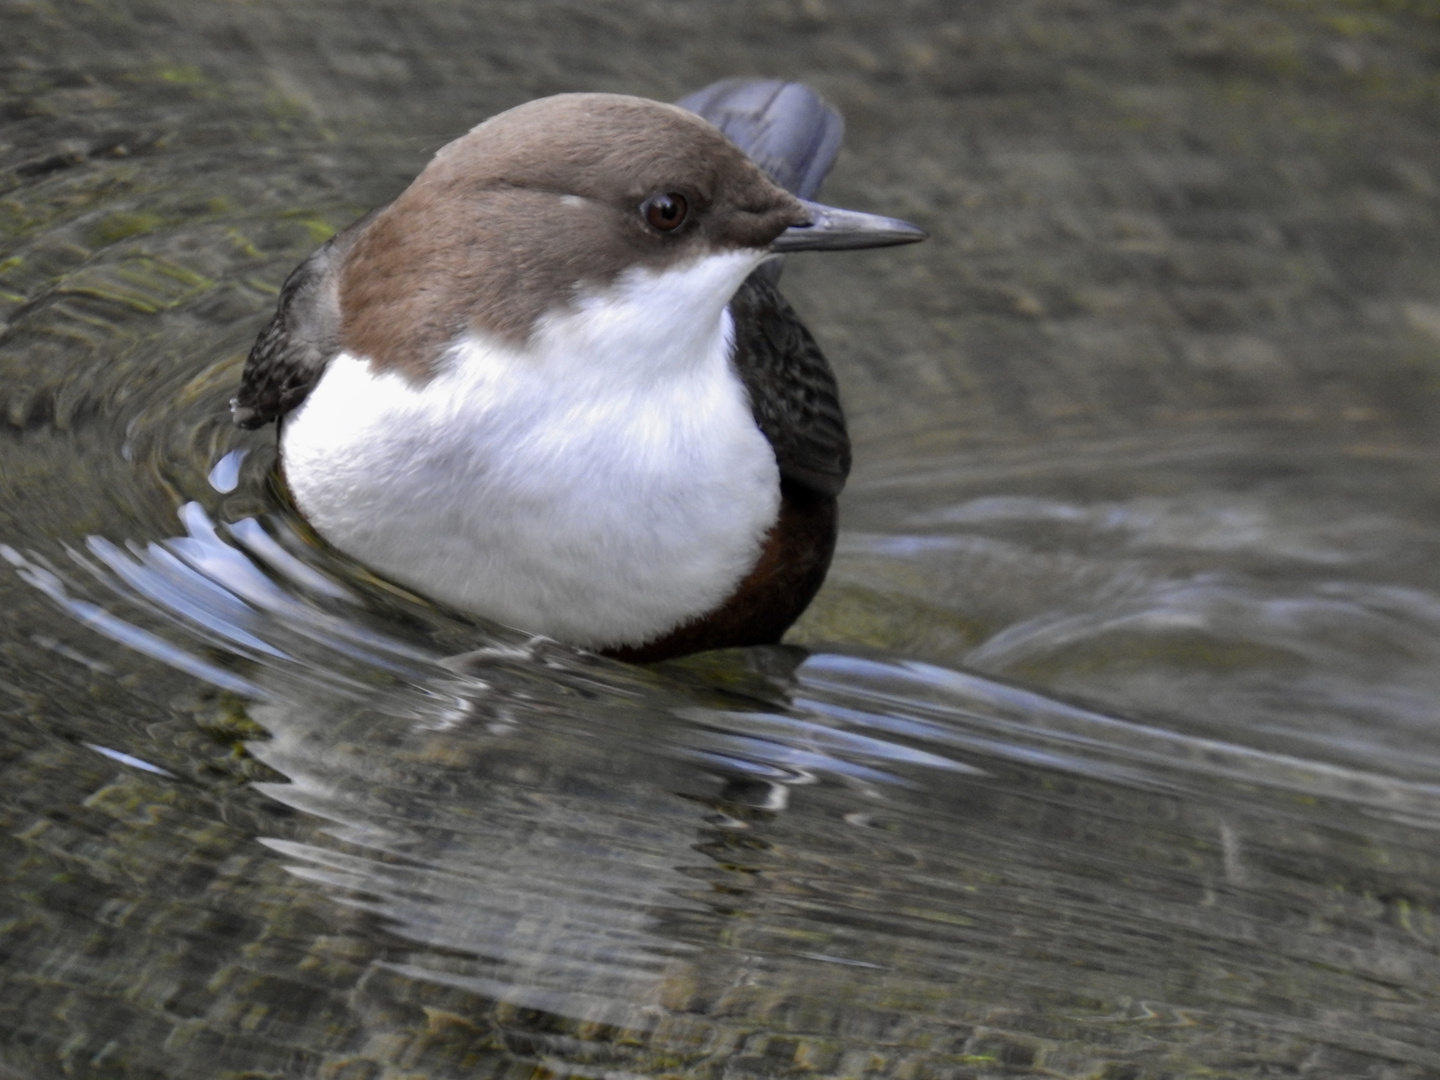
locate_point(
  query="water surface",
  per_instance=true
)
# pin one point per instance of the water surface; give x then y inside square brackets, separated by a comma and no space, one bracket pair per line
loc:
[1109,749]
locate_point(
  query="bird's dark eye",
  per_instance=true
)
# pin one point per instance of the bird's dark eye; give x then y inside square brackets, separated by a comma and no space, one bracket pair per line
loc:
[666,212]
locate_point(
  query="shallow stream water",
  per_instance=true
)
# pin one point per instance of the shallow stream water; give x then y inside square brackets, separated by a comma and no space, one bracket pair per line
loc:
[1110,749]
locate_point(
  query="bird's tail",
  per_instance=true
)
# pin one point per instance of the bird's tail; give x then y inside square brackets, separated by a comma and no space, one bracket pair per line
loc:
[787,129]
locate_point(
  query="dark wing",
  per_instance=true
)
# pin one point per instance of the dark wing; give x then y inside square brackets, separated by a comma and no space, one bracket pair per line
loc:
[790,132]
[293,349]
[792,389]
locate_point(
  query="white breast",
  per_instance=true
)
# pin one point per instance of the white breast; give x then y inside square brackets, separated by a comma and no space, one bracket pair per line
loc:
[602,485]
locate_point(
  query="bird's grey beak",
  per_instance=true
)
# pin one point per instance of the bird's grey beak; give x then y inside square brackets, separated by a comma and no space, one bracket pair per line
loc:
[833,229]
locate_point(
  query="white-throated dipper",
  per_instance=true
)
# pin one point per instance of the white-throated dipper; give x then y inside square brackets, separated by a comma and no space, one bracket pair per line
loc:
[553,383]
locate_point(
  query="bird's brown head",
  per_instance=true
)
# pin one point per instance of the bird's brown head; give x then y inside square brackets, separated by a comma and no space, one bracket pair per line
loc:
[556,195]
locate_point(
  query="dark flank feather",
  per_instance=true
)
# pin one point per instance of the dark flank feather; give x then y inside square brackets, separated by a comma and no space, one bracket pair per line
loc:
[291,352]
[792,389]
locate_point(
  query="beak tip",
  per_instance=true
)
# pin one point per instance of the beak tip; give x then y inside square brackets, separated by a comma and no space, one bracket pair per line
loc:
[832,229]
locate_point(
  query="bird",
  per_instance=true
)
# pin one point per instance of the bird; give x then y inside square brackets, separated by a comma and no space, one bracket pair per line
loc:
[553,384]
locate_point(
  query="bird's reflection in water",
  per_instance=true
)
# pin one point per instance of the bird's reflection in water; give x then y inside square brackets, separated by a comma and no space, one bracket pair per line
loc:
[583,858]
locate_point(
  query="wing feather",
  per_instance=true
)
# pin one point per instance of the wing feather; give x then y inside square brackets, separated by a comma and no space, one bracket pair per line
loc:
[290,354]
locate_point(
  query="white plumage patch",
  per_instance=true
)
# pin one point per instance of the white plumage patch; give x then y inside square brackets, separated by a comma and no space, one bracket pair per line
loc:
[602,485]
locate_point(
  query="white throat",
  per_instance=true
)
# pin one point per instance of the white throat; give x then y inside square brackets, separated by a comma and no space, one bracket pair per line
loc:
[603,484]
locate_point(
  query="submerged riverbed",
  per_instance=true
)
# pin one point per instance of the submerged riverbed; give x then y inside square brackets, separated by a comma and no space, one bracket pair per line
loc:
[1111,747]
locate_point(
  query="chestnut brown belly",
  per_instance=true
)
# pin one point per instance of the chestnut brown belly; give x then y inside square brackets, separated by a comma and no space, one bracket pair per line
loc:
[772,596]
